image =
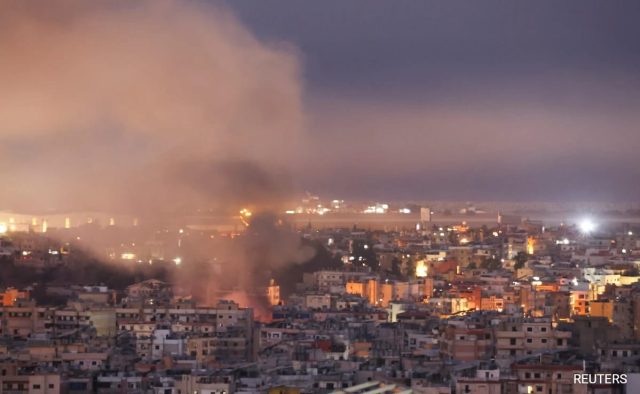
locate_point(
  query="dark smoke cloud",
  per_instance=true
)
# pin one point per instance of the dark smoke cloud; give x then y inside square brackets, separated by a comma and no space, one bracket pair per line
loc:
[119,105]
[245,265]
[244,182]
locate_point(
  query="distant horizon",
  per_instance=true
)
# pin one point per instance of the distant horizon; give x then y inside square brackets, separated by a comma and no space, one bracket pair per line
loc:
[398,203]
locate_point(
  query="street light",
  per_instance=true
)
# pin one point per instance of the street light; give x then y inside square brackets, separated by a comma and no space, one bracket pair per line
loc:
[587,226]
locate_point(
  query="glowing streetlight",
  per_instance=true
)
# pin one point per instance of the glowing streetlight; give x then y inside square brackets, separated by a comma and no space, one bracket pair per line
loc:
[587,226]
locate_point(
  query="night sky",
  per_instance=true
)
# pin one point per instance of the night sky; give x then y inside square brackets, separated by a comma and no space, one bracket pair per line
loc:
[494,100]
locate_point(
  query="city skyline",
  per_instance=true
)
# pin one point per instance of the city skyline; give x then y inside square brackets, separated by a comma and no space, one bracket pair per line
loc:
[329,197]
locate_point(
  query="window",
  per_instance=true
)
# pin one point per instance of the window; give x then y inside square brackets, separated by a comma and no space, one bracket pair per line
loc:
[529,329]
[36,387]
[529,340]
[512,341]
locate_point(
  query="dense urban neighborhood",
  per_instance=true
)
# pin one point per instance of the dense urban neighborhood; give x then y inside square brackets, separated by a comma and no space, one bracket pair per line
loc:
[512,307]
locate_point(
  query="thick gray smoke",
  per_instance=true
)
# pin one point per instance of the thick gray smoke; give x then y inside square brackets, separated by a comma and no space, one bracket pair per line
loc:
[147,107]
[265,249]
[119,105]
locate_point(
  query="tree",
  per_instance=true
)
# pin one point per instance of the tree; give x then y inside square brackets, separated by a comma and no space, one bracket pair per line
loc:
[520,259]
[410,268]
[395,266]
[491,264]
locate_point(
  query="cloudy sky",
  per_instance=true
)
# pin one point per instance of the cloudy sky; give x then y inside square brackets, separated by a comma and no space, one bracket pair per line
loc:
[464,99]
[111,104]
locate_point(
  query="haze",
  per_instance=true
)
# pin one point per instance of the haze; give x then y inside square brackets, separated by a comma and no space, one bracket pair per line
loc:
[462,100]
[135,106]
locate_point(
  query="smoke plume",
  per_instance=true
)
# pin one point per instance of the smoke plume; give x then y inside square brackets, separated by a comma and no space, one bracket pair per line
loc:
[244,265]
[148,107]
[118,105]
